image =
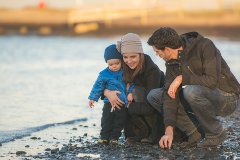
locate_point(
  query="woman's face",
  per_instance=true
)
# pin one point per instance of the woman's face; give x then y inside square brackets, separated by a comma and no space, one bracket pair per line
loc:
[131,59]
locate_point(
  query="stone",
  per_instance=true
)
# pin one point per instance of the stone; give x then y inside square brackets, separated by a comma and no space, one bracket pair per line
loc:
[63,150]
[20,153]
[54,151]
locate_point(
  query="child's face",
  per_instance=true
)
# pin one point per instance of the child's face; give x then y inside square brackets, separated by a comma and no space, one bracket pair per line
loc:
[114,64]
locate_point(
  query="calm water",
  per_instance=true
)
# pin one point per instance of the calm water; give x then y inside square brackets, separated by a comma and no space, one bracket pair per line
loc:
[46,80]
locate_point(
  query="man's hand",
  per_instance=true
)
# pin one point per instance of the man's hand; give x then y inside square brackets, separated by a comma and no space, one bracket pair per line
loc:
[167,139]
[174,86]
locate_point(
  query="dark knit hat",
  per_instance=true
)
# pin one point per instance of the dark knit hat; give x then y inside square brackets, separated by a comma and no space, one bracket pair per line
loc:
[111,52]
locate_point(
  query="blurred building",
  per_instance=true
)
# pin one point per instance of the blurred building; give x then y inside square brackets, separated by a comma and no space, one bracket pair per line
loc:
[81,16]
[169,4]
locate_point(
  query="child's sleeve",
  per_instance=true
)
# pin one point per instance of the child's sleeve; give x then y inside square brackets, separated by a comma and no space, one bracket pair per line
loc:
[97,89]
[131,87]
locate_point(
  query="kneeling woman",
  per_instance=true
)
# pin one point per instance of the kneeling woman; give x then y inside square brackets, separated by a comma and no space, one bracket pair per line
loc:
[144,123]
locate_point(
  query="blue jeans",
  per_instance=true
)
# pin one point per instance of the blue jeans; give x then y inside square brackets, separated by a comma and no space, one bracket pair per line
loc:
[184,123]
[207,104]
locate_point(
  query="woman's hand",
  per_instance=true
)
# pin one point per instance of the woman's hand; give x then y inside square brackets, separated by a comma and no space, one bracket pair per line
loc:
[167,139]
[174,86]
[130,99]
[113,98]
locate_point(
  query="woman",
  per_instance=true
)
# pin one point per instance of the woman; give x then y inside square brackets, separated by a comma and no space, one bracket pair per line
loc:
[138,68]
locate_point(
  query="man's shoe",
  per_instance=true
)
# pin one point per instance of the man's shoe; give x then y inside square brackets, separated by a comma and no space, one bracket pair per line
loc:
[193,139]
[213,141]
[102,141]
[113,141]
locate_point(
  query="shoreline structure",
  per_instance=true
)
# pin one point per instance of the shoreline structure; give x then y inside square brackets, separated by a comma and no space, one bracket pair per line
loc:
[48,21]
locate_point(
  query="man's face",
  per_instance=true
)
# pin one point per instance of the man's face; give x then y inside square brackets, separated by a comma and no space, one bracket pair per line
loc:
[164,54]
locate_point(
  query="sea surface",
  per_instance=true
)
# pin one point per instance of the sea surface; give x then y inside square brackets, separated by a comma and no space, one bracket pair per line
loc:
[45,81]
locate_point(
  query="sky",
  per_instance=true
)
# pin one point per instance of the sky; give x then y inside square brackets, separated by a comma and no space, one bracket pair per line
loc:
[188,4]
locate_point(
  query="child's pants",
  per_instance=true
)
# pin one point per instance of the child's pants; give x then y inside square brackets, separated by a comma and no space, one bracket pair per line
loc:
[112,123]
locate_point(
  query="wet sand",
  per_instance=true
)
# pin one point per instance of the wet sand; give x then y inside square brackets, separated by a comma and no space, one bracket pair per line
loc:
[79,141]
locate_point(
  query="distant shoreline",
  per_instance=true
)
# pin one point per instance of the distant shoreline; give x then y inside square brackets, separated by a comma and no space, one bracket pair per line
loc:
[232,32]
[33,21]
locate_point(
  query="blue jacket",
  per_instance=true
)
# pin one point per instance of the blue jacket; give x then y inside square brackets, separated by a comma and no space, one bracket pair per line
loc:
[110,80]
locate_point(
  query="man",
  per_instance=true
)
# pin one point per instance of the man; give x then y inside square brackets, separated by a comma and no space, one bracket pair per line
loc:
[210,88]
[175,114]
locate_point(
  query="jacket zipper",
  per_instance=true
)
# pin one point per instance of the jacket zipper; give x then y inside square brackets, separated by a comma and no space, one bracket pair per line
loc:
[190,69]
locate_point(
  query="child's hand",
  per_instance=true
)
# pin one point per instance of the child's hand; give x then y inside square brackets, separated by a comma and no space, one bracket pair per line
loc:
[174,86]
[91,103]
[127,86]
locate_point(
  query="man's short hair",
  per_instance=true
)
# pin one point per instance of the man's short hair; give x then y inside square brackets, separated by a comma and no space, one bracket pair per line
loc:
[165,37]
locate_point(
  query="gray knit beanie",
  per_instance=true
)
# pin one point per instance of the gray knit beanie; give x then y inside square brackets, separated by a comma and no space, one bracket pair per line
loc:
[130,43]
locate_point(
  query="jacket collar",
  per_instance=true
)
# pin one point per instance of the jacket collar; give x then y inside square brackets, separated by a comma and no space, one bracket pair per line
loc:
[190,40]
[172,62]
[116,72]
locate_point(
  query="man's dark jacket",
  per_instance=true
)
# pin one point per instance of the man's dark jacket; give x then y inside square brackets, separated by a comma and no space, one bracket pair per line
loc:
[201,64]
